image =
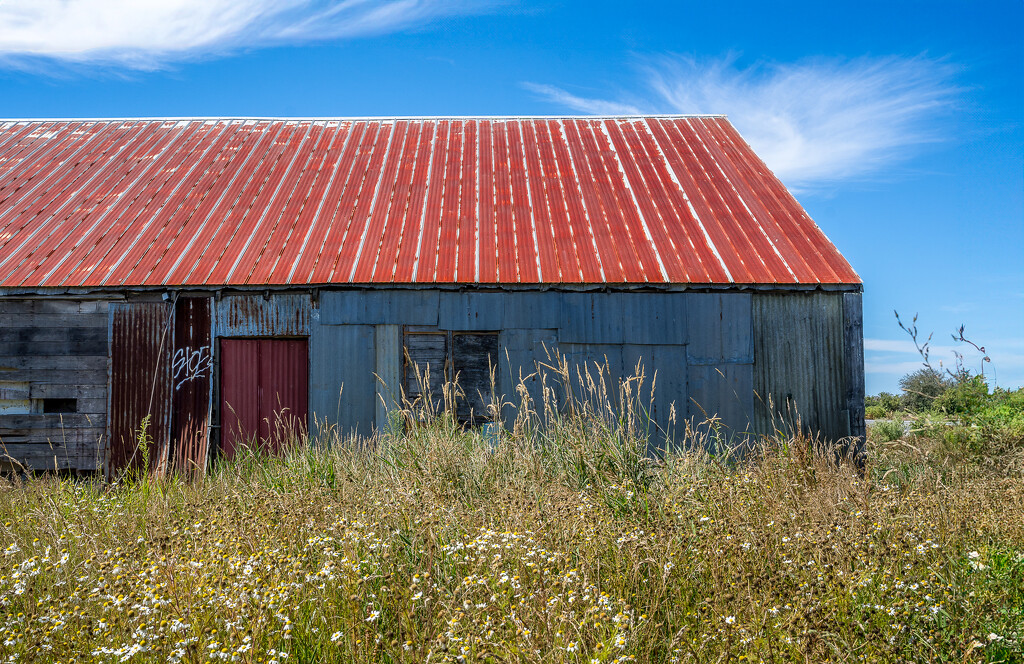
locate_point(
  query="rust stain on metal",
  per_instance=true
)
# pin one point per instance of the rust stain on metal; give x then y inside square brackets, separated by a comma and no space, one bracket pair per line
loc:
[141,341]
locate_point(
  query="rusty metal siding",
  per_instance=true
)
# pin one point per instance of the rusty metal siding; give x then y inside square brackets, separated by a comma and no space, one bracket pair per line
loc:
[141,343]
[661,199]
[264,392]
[275,315]
[192,378]
[800,368]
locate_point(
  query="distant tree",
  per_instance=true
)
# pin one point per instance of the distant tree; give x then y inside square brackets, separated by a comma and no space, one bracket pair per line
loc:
[922,387]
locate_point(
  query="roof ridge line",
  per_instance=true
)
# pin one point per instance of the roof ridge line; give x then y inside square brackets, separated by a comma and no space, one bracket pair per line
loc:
[226,118]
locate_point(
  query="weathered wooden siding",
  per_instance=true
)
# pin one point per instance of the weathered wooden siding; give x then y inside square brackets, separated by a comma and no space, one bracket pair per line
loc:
[53,350]
[800,371]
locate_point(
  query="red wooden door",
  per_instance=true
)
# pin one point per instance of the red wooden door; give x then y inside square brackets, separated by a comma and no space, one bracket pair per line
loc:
[264,385]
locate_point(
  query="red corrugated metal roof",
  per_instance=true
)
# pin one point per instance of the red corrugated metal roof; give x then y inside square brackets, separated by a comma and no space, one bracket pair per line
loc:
[678,199]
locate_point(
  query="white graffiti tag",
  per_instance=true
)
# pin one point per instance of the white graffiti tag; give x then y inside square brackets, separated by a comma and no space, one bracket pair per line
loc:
[191,364]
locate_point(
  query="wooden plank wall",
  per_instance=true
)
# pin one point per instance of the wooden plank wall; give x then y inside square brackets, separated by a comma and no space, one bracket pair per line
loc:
[59,348]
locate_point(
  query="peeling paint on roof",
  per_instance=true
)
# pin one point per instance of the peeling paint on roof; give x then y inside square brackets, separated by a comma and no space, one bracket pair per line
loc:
[218,202]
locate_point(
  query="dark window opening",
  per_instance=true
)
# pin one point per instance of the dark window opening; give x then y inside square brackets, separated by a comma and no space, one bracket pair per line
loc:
[473,356]
[60,405]
[434,359]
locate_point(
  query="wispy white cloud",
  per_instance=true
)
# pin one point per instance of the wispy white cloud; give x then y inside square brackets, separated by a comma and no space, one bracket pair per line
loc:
[584,104]
[813,121]
[148,35]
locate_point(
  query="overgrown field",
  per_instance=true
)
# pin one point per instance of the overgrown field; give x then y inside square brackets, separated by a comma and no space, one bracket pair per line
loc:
[552,544]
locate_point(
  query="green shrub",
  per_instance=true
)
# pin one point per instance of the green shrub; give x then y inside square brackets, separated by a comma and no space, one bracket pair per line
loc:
[881,406]
[888,430]
[966,398]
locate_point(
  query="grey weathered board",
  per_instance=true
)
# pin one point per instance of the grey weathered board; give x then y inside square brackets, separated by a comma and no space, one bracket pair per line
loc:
[58,347]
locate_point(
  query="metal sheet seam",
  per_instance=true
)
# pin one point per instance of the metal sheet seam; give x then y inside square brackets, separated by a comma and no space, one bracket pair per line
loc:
[332,218]
[11,206]
[8,216]
[40,227]
[102,217]
[261,156]
[213,208]
[376,198]
[426,198]
[636,203]
[583,204]
[479,214]
[462,157]
[397,206]
[675,178]
[292,211]
[754,220]
[153,219]
[323,199]
[529,204]
[259,222]
[561,201]
[394,224]
[119,259]
[184,134]
[34,147]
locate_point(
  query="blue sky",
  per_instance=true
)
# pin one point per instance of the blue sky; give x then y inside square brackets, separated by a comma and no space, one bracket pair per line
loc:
[897,124]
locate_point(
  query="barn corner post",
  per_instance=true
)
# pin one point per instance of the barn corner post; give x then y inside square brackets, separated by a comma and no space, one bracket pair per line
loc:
[853,351]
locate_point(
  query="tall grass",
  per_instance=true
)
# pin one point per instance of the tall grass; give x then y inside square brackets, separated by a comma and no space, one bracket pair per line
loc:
[561,541]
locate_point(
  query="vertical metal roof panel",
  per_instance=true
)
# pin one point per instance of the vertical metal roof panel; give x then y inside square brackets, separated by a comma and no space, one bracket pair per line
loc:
[677,200]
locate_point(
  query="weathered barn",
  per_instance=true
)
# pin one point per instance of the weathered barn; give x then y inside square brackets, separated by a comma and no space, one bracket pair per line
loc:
[212,274]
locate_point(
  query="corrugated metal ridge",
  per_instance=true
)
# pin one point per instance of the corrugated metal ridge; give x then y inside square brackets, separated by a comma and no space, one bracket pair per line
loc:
[233,202]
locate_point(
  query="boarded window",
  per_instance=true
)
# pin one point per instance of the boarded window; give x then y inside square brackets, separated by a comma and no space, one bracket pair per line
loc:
[426,356]
[433,358]
[473,355]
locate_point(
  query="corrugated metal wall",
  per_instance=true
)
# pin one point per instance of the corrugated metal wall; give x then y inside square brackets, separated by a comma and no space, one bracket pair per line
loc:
[612,334]
[141,344]
[801,368]
[264,391]
[717,356]
[192,377]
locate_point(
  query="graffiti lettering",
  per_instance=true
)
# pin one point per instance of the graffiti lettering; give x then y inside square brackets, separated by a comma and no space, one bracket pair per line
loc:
[191,364]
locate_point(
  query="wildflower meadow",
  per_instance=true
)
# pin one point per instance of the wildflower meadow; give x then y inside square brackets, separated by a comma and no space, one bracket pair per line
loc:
[561,541]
